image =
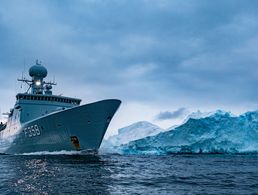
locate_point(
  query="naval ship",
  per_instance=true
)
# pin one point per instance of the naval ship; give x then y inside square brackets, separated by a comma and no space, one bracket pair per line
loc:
[41,121]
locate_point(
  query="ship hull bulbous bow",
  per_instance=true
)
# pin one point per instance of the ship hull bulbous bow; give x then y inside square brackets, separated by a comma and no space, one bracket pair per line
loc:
[78,128]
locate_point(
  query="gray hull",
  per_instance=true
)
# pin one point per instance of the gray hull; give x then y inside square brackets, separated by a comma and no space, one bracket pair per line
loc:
[53,132]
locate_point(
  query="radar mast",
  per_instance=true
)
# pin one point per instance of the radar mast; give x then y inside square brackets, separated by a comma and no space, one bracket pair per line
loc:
[37,83]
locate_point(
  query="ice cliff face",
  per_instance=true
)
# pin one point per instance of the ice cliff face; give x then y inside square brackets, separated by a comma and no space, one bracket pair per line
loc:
[219,132]
[133,132]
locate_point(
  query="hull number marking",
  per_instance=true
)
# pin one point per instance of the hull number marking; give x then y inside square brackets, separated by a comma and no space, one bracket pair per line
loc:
[32,131]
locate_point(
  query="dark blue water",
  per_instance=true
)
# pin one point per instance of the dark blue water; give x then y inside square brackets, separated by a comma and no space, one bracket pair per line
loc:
[115,174]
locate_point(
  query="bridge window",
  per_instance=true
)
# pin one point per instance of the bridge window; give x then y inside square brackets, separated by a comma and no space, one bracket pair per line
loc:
[47,98]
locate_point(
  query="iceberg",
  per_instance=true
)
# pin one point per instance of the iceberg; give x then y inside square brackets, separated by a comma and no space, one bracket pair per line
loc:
[219,132]
[130,133]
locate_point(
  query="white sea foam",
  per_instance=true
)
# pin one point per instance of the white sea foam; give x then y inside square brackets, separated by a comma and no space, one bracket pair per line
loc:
[62,152]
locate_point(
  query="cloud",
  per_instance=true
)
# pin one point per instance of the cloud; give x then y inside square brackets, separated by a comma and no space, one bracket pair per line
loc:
[180,113]
[150,52]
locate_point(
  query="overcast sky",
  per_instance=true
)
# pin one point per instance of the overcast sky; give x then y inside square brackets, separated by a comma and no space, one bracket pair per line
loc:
[162,58]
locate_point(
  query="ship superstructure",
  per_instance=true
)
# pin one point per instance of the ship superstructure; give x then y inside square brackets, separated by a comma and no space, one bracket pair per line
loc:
[41,121]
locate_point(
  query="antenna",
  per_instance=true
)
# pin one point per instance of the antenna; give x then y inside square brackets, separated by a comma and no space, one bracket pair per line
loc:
[22,77]
[28,82]
[23,68]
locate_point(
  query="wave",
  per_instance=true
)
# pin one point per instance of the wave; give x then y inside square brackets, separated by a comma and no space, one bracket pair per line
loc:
[62,152]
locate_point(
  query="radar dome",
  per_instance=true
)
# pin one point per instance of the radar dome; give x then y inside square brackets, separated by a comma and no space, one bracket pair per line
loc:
[38,71]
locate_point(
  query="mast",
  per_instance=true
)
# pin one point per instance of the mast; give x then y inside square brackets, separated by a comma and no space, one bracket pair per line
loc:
[37,85]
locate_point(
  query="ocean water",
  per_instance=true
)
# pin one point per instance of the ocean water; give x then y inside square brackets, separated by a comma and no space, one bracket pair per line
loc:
[128,174]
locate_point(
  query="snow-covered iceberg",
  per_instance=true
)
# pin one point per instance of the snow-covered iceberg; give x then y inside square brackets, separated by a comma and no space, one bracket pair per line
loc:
[220,132]
[130,133]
